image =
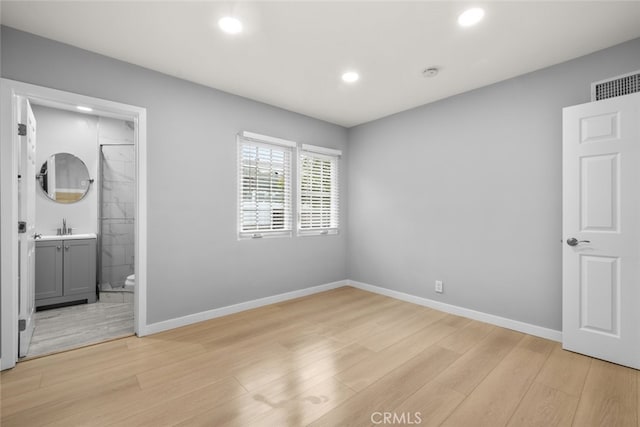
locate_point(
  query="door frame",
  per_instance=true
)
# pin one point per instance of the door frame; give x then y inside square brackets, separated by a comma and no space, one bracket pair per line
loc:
[10,92]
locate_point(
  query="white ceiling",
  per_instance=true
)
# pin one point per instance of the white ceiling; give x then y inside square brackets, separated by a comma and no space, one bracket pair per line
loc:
[292,54]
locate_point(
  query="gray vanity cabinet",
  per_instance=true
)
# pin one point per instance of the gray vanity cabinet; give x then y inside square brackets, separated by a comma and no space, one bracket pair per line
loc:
[65,271]
[79,267]
[48,269]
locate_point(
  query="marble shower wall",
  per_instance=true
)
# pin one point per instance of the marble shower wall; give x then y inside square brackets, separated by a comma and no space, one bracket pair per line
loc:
[118,201]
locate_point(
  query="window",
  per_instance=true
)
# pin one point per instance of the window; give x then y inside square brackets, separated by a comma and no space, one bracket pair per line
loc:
[318,190]
[264,186]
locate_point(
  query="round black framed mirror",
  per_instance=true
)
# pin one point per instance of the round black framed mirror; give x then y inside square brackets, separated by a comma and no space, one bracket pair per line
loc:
[64,178]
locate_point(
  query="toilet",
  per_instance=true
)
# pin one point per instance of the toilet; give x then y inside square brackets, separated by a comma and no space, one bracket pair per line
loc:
[130,283]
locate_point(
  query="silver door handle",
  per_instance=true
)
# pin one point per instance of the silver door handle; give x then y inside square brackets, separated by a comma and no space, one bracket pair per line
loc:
[59,247]
[572,241]
[66,247]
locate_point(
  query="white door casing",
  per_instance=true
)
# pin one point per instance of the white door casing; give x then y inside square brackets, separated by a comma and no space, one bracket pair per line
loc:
[601,210]
[11,91]
[27,213]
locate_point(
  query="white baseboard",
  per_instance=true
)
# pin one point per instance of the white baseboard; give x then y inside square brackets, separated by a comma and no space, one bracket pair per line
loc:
[527,328]
[516,325]
[231,309]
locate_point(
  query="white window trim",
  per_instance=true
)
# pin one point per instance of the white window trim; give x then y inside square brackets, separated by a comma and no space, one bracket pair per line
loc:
[256,137]
[267,141]
[321,152]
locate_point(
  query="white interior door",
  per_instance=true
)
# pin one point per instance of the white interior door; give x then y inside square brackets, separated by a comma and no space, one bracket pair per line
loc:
[601,229]
[27,213]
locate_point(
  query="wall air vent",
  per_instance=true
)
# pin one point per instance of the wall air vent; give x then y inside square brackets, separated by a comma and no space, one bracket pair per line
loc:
[616,86]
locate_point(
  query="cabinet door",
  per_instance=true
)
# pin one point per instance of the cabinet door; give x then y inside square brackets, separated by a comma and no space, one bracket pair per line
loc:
[48,269]
[79,267]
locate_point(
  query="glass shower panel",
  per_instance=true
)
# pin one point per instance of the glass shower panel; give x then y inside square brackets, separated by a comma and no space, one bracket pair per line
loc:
[117,213]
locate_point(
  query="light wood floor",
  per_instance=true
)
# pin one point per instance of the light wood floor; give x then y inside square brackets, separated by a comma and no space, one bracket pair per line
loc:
[331,359]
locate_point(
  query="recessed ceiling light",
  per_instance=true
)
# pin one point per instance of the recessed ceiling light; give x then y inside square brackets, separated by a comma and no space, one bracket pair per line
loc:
[350,77]
[82,108]
[230,25]
[470,17]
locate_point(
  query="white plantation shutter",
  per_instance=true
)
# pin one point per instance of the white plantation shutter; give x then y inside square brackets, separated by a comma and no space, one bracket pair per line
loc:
[264,185]
[318,201]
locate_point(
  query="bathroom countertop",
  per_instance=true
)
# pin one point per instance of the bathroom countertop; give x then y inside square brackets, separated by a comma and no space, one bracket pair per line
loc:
[67,236]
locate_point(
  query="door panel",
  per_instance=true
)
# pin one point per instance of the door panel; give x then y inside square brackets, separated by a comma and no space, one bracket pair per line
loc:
[599,199]
[598,128]
[601,209]
[599,289]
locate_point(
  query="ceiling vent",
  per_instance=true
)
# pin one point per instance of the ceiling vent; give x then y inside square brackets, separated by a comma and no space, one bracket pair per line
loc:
[616,86]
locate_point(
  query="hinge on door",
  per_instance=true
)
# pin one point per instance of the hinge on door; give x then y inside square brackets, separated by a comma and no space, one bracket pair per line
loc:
[22,324]
[22,227]
[22,129]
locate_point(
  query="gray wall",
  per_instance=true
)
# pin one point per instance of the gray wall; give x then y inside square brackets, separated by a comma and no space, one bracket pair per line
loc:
[468,190]
[195,261]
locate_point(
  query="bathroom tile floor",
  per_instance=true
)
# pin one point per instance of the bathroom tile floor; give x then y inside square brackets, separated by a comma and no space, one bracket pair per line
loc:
[117,294]
[65,328]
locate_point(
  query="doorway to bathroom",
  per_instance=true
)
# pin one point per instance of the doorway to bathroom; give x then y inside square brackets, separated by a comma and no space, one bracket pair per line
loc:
[104,177]
[84,222]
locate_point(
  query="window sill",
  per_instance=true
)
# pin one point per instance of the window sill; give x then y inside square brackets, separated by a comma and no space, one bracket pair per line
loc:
[329,232]
[265,235]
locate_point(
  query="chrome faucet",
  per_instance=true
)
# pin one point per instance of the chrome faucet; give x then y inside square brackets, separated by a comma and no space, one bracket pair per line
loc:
[64,226]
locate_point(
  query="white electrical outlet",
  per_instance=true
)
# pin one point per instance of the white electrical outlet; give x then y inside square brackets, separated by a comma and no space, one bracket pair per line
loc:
[439,286]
